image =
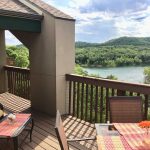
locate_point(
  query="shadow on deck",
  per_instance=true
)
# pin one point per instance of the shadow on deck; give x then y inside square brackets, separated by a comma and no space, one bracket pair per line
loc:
[44,137]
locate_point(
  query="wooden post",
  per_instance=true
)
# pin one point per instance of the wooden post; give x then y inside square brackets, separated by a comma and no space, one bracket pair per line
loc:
[3,86]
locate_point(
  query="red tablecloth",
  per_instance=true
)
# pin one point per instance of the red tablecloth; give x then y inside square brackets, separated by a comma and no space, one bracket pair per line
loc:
[128,128]
[135,136]
[7,129]
[137,141]
[112,143]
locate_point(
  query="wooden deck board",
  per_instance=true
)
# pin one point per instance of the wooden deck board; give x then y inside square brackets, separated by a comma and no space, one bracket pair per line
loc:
[44,137]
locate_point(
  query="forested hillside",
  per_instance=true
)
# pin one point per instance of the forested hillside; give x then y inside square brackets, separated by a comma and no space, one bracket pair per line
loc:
[124,51]
[136,41]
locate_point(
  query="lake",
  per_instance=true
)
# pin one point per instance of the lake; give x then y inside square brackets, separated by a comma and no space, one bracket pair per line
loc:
[129,74]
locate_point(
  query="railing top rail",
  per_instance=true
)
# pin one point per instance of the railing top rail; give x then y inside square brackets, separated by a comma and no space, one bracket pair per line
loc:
[6,67]
[121,85]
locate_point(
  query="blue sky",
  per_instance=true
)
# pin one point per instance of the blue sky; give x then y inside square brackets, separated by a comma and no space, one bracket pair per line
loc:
[102,20]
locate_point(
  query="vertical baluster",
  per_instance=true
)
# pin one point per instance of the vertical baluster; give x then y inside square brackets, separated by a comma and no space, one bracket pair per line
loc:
[146,107]
[91,104]
[22,85]
[9,81]
[25,84]
[138,94]
[74,97]
[70,97]
[96,104]
[14,81]
[18,84]
[107,94]
[112,92]
[131,93]
[82,101]
[78,98]
[101,105]
[28,84]
[11,84]
[86,107]
[16,87]
[11,75]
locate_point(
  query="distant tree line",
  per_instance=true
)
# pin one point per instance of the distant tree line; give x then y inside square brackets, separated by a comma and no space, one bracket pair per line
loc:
[112,56]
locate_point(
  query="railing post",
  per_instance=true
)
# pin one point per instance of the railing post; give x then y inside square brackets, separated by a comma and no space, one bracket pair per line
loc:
[146,107]
[107,94]
[70,90]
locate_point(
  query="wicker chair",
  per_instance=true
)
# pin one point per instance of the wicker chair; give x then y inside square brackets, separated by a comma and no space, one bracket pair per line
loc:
[125,109]
[63,141]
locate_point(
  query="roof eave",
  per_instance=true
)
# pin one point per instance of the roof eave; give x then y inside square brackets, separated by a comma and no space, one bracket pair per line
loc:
[21,15]
[63,18]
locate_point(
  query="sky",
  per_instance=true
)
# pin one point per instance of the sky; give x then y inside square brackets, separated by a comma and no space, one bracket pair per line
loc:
[98,21]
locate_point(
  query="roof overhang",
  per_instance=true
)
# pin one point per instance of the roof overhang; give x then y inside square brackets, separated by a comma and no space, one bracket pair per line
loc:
[20,16]
[19,24]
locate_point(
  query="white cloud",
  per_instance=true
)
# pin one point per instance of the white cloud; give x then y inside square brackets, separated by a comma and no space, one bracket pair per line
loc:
[134,20]
[117,6]
[78,3]
[134,25]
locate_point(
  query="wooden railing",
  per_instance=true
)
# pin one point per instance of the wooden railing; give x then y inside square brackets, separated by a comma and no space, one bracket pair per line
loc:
[18,80]
[88,96]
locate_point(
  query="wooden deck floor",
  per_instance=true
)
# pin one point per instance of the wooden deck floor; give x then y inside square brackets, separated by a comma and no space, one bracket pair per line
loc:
[44,137]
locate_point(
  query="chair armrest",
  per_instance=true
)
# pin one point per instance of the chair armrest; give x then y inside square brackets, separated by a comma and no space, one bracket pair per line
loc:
[81,139]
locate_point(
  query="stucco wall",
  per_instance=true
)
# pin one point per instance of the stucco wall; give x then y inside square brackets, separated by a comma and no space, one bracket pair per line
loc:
[65,58]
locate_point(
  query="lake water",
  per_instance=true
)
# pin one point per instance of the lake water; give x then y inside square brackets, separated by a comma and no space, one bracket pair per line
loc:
[130,74]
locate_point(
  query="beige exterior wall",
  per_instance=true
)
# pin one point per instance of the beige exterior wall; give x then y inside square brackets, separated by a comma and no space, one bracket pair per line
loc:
[65,58]
[3,87]
[51,57]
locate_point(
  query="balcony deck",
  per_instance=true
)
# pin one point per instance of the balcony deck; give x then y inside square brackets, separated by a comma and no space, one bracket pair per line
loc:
[44,137]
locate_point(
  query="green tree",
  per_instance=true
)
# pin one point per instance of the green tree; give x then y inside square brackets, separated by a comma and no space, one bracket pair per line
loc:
[80,71]
[112,77]
[147,75]
[19,54]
